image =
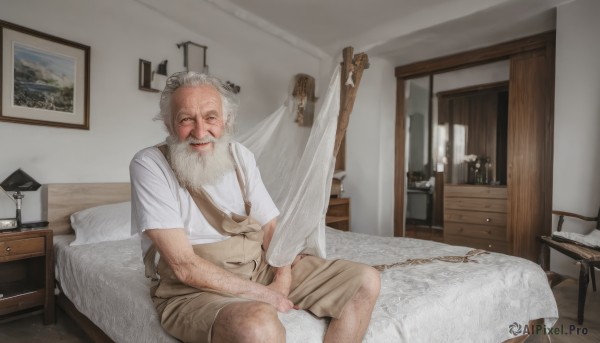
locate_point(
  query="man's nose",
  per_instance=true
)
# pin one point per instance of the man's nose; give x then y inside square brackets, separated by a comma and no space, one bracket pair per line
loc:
[200,129]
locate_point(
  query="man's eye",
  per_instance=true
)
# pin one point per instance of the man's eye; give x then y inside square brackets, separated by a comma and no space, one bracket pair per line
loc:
[186,121]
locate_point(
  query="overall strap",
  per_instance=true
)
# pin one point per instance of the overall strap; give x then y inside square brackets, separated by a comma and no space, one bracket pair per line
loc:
[241,178]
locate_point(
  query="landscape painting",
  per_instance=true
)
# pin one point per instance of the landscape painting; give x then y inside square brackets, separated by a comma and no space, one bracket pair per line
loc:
[43,80]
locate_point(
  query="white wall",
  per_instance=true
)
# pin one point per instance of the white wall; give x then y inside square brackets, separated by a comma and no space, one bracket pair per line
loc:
[577,117]
[120,33]
[370,151]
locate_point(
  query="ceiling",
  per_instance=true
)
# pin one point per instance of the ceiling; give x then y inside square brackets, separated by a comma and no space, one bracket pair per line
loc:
[402,31]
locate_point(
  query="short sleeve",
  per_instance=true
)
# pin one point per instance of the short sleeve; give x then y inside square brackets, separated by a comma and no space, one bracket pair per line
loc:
[154,204]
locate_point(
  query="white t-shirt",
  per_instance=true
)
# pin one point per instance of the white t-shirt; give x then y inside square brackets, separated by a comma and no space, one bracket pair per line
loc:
[159,202]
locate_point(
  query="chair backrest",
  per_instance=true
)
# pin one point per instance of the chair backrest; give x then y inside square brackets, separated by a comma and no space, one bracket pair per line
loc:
[562,215]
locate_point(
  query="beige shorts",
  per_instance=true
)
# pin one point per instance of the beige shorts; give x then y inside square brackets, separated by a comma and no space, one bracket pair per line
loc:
[320,286]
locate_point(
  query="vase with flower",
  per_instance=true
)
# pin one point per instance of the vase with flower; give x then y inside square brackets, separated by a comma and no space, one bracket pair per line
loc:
[477,167]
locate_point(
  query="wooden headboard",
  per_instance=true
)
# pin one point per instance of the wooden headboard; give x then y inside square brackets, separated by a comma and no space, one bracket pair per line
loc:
[63,199]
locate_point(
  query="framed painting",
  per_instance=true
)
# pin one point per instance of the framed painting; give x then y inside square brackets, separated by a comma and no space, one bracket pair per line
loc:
[45,80]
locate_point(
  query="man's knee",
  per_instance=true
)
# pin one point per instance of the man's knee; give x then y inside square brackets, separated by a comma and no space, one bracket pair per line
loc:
[370,282]
[248,322]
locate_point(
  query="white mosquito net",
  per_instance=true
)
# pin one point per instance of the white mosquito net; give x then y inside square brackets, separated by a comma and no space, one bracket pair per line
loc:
[297,165]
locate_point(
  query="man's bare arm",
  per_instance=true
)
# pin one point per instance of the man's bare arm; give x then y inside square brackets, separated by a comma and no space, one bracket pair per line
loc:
[197,272]
[283,275]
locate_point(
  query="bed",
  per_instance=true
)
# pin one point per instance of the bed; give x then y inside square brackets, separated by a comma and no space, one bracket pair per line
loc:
[489,298]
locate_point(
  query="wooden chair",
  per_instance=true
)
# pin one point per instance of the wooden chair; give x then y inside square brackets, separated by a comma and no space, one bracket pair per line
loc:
[589,258]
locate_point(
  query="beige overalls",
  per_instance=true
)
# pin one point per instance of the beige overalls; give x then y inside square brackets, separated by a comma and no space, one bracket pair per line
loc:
[320,286]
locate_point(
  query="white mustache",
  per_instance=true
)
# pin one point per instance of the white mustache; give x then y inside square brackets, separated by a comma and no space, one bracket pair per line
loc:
[203,140]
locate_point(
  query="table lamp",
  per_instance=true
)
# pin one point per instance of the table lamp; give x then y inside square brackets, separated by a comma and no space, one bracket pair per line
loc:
[18,182]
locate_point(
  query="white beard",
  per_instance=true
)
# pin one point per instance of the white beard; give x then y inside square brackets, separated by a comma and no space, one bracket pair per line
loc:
[193,169]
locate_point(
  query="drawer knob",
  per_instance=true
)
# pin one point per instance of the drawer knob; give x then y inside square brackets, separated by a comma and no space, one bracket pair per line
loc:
[489,245]
[8,249]
[487,220]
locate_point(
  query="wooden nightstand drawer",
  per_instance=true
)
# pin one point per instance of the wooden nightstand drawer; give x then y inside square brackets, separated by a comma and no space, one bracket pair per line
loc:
[22,248]
[22,301]
[338,214]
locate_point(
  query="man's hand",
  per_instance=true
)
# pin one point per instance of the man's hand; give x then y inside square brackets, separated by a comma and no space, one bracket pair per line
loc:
[281,302]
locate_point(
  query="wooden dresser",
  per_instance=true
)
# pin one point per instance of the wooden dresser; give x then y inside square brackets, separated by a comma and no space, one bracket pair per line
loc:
[475,216]
[338,214]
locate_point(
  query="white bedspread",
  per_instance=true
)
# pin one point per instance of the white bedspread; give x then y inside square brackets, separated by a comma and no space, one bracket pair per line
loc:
[435,302]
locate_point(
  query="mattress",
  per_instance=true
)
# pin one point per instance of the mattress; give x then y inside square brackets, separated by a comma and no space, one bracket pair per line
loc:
[479,301]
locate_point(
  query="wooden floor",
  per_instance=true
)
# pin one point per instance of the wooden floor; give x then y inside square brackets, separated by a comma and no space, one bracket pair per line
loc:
[565,294]
[31,328]
[424,232]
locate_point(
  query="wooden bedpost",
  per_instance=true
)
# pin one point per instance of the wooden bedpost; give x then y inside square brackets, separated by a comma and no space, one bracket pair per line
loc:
[354,64]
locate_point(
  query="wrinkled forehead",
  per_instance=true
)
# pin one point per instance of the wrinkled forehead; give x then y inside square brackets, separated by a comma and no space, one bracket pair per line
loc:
[197,99]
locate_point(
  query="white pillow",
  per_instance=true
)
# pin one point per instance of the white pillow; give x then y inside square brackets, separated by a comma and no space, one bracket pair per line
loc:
[102,223]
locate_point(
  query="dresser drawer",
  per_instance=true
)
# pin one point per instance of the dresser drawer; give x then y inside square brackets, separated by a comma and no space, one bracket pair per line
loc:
[474,217]
[477,204]
[476,231]
[470,191]
[485,244]
[22,248]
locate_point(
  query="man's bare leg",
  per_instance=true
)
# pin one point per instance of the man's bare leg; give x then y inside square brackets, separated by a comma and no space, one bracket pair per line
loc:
[250,321]
[354,321]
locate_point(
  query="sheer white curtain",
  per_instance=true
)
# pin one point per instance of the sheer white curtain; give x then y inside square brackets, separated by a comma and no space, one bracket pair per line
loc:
[296,165]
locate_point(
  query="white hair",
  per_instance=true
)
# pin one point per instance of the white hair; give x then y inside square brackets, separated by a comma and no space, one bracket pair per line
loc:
[194,79]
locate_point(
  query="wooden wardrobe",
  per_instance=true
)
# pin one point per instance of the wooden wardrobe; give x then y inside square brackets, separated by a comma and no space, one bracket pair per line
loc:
[529,137]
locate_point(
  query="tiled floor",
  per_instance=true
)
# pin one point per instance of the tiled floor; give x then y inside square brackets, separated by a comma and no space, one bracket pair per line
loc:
[31,329]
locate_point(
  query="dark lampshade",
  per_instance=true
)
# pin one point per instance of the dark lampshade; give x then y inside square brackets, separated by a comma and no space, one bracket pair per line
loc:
[19,181]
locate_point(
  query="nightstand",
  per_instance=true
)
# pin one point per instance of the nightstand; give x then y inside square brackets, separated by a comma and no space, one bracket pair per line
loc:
[27,272]
[338,214]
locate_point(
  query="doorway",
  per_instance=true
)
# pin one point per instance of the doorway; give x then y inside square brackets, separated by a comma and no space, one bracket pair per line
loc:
[529,134]
[450,116]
